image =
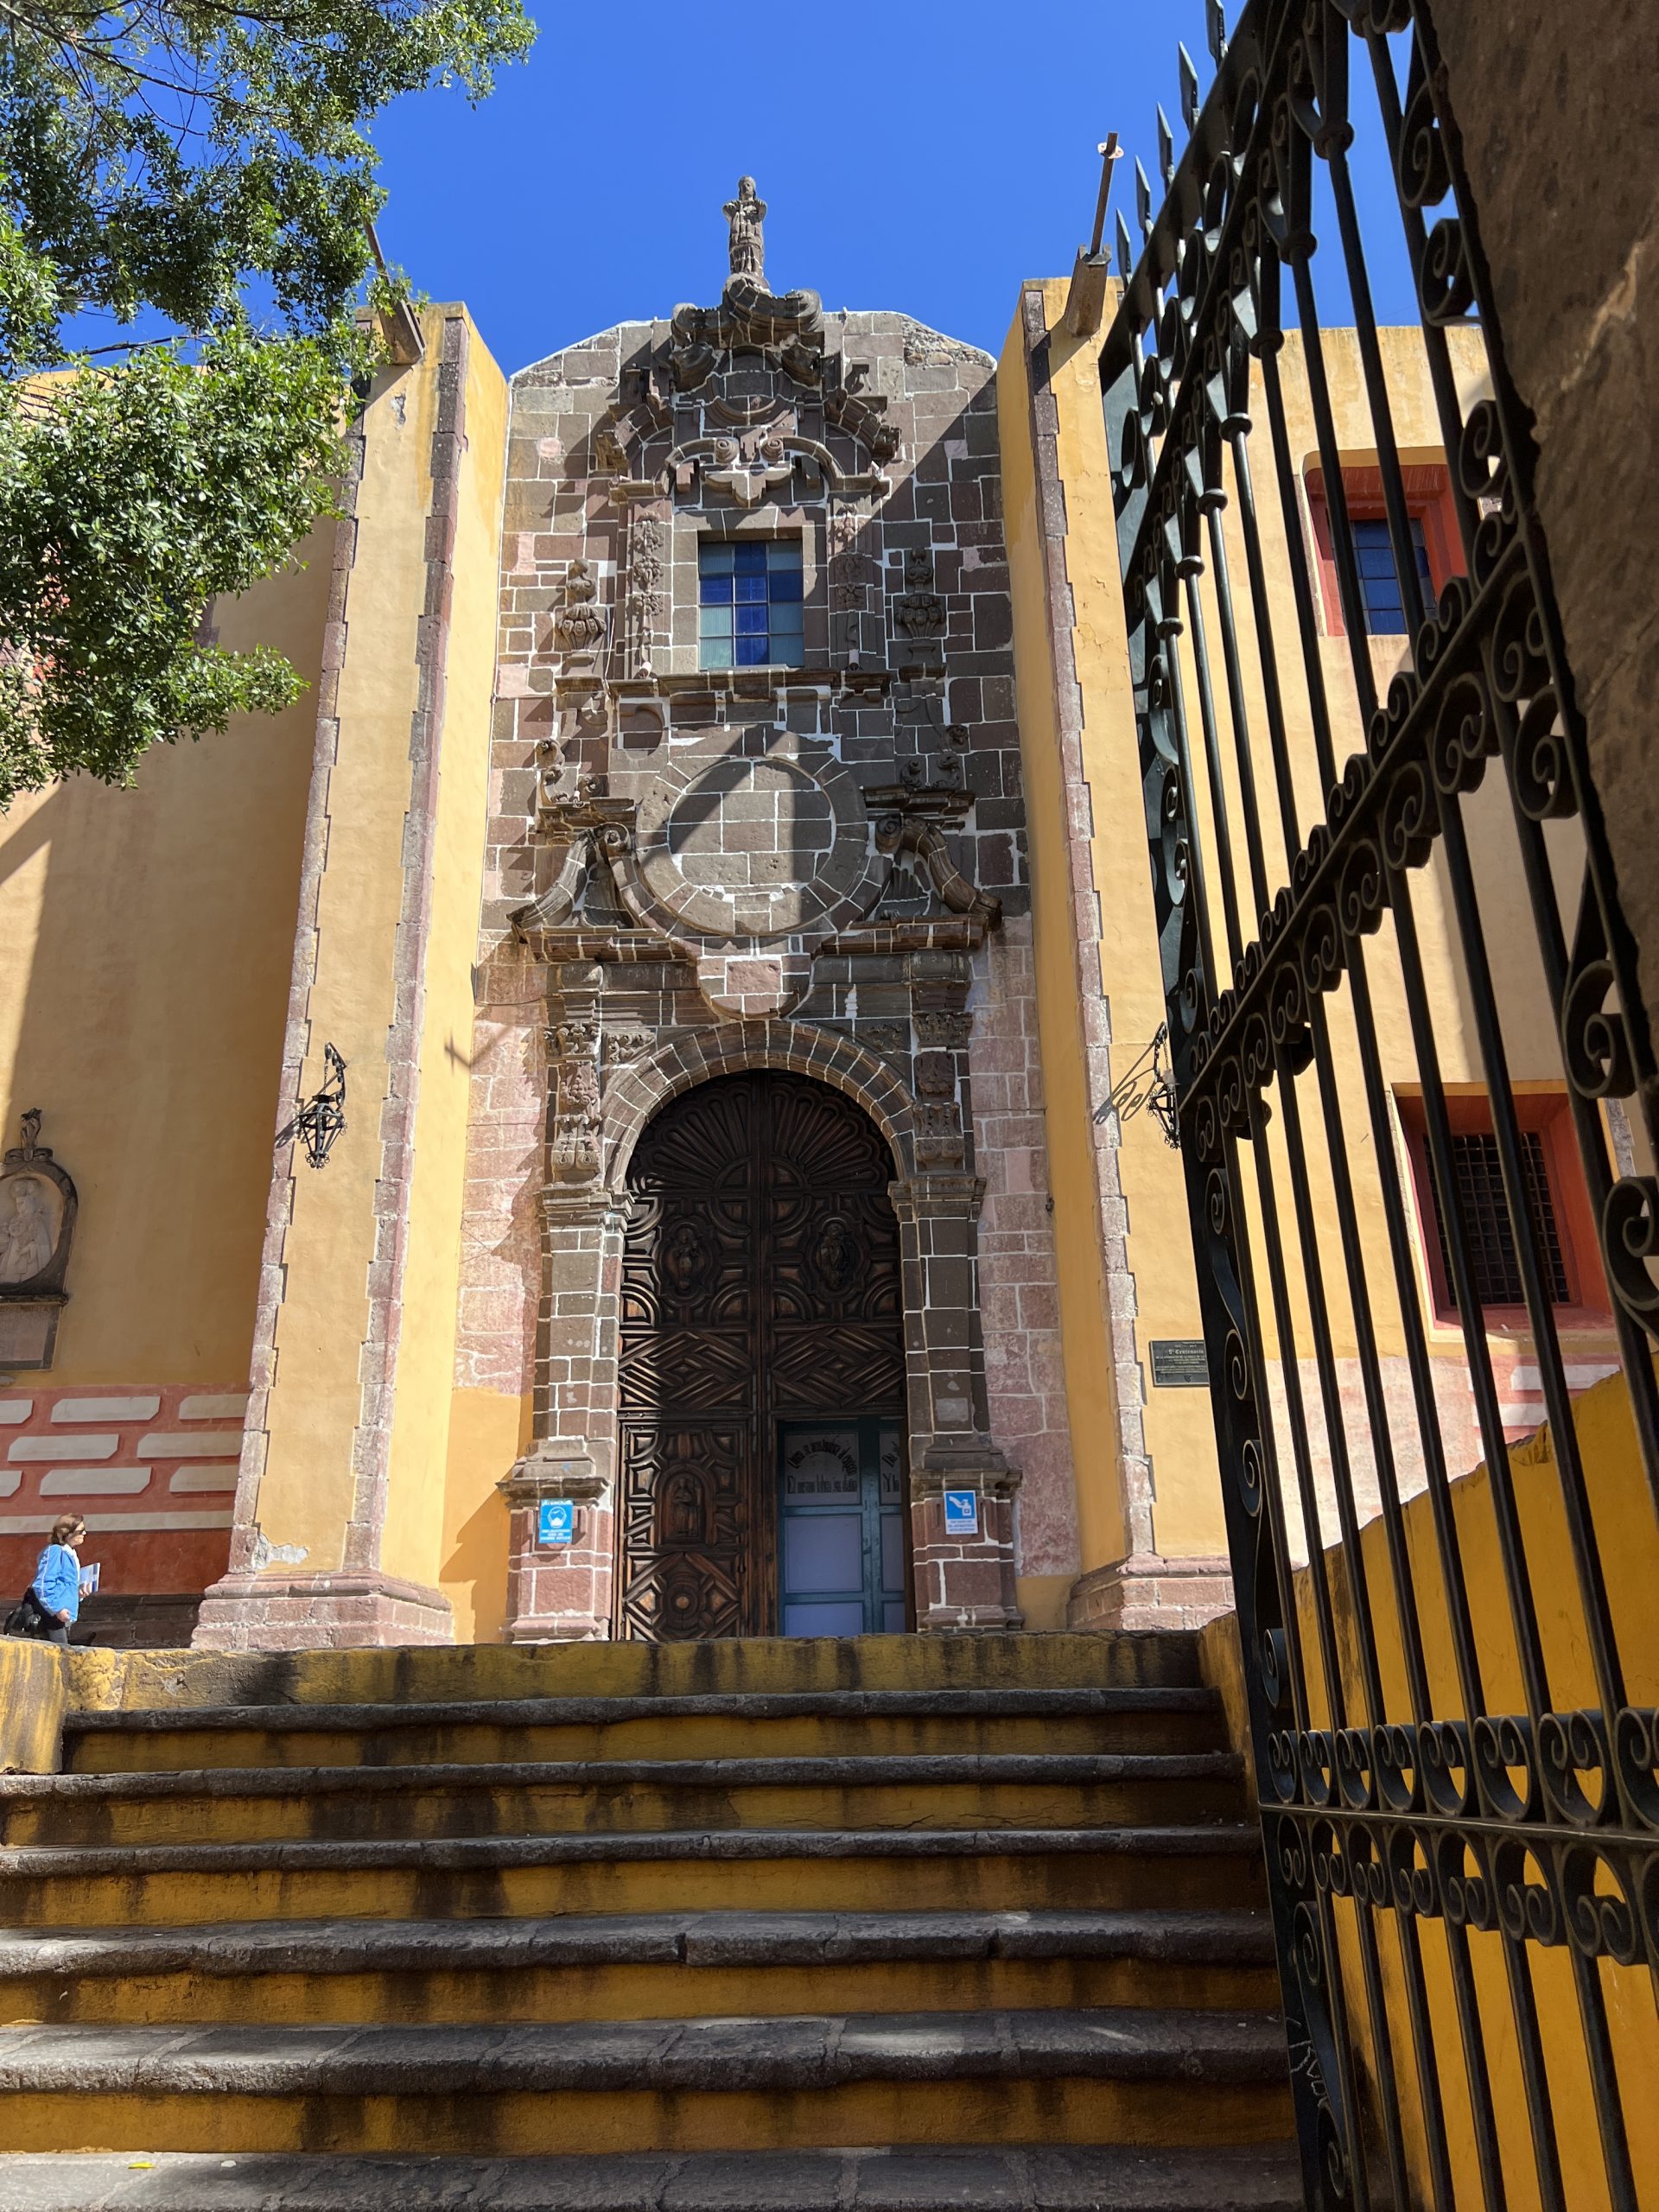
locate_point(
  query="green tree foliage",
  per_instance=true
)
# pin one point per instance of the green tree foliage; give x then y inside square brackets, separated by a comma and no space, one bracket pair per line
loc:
[207,166]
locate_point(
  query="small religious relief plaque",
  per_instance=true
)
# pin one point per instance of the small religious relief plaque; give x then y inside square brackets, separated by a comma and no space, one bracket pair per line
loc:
[37,1225]
[1179,1363]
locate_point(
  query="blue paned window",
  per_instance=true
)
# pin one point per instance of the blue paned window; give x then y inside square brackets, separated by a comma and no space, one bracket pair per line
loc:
[1379,585]
[749,603]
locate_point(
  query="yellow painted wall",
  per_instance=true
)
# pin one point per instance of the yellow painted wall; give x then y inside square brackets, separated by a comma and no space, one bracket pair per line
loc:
[1187,1510]
[416,1544]
[487,1432]
[1084,1328]
[145,938]
[1621,1507]
[307,1492]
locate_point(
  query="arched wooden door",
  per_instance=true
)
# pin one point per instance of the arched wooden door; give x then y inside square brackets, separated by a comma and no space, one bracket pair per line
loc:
[761,1360]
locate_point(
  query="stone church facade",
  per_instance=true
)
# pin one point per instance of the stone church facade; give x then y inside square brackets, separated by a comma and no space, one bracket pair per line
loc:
[718,854]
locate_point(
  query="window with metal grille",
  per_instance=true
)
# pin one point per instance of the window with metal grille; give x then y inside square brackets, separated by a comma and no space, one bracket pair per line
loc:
[749,603]
[1379,584]
[1491,1240]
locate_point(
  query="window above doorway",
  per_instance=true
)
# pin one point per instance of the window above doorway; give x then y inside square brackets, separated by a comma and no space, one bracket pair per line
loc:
[749,609]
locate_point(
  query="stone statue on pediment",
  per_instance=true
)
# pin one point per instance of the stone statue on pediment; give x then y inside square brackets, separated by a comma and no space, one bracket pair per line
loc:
[746,214]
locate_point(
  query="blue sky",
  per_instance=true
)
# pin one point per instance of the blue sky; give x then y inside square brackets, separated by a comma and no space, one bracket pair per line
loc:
[922,154]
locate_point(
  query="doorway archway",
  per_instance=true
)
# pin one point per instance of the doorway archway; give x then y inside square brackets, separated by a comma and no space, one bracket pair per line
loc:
[761,1369]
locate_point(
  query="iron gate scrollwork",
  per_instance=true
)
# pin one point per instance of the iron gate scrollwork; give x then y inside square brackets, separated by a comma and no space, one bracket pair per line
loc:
[1410,1772]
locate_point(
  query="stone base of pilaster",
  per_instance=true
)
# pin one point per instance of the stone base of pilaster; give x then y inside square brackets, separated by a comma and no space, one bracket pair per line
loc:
[1147,1592]
[559,1593]
[320,1612]
[964,1582]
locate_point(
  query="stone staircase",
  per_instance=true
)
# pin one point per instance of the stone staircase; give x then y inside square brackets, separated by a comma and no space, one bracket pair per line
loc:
[884,1926]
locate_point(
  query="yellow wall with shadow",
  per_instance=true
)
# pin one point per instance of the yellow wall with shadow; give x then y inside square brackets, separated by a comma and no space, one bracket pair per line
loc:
[1623,1512]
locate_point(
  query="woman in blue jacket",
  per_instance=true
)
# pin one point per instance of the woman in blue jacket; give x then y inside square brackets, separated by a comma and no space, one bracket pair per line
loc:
[57,1578]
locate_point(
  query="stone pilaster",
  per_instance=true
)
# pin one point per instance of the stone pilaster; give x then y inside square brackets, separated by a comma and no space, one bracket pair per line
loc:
[566,1592]
[559,1593]
[962,1582]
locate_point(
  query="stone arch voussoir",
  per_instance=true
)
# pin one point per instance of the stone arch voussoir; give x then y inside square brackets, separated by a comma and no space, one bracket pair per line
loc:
[733,1047]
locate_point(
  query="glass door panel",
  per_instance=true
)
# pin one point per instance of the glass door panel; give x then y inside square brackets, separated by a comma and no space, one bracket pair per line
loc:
[841,1503]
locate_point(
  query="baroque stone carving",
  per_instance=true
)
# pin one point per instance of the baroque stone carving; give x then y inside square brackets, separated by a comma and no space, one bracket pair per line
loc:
[939,1139]
[862,417]
[574,1146]
[38,1204]
[644,601]
[595,832]
[913,825]
[946,1032]
[765,468]
[936,1074]
[891,1039]
[579,626]
[919,611]
[749,319]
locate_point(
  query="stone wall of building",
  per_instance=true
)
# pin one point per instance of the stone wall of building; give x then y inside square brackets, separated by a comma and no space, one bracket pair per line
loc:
[819,865]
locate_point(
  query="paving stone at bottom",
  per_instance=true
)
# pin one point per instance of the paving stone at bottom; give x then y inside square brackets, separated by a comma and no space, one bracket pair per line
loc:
[944,2180]
[932,2181]
[758,2181]
[1061,2180]
[625,2183]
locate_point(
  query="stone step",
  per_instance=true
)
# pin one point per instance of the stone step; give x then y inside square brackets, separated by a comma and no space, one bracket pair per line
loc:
[808,1723]
[1128,2076]
[1009,2178]
[647,1966]
[1207,1864]
[727,1665]
[287,1803]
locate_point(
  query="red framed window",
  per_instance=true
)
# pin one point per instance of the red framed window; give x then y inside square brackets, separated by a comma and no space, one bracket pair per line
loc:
[1557,1201]
[1435,541]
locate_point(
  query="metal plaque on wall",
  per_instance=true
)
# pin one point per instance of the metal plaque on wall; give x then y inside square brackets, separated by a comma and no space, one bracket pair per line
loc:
[1178,1364]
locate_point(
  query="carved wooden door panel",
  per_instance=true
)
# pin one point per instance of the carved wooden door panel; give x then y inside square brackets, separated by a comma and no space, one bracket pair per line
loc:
[760,1282]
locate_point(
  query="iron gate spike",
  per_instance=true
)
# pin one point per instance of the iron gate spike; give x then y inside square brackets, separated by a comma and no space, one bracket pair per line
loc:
[1189,88]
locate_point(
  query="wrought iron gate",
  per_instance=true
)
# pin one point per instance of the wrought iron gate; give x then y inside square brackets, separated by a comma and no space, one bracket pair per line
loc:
[1435,1796]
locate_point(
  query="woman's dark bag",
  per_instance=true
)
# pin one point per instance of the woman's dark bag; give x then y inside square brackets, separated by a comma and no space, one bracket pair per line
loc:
[26,1618]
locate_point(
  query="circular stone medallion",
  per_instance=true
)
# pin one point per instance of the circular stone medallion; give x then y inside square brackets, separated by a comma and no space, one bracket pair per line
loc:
[751,847]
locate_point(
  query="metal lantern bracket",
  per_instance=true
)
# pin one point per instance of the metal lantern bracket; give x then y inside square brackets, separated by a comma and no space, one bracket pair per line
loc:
[323,1117]
[1148,1084]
